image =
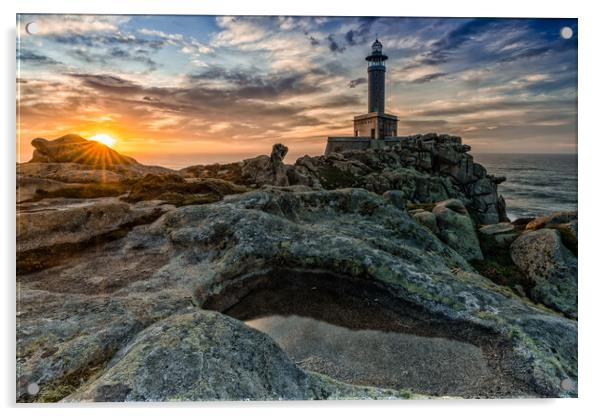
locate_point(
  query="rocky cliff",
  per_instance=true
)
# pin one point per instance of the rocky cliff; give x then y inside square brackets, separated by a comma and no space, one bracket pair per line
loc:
[133,296]
[425,168]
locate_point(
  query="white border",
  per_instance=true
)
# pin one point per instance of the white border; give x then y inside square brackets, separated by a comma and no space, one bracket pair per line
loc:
[590,200]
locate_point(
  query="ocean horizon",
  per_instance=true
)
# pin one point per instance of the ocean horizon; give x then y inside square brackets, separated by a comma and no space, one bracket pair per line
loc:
[536,183]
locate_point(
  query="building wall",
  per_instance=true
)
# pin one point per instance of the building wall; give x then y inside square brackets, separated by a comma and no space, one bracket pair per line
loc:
[364,127]
[375,126]
[343,144]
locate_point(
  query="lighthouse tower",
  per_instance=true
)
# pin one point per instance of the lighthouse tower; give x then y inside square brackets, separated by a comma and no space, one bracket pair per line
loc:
[376,78]
[375,129]
[376,124]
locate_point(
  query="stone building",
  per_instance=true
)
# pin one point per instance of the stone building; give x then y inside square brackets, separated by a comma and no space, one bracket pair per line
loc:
[375,128]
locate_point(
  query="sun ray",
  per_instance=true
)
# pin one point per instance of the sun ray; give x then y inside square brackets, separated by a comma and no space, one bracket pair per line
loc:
[105,139]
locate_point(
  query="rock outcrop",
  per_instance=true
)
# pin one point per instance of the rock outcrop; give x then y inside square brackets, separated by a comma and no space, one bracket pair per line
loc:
[179,359]
[266,170]
[124,297]
[75,149]
[212,255]
[550,266]
[48,232]
[72,166]
[456,229]
[425,168]
[174,189]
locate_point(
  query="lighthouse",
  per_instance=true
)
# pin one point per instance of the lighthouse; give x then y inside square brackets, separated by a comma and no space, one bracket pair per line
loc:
[376,128]
[376,124]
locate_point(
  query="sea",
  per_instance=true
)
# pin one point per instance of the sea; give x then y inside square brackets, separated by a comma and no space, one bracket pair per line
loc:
[536,184]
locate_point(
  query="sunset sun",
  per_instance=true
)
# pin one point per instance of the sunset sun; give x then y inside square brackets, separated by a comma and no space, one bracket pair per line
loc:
[104,139]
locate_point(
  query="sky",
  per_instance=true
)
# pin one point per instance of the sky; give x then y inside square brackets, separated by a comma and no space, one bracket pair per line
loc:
[184,90]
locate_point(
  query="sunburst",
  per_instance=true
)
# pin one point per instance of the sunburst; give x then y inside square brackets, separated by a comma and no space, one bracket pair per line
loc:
[104,139]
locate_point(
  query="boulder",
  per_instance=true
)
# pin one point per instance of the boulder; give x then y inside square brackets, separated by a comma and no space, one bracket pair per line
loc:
[73,159]
[179,359]
[571,228]
[551,268]
[266,170]
[456,229]
[75,149]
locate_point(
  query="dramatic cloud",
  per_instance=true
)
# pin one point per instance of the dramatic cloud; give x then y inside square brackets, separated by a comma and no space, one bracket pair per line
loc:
[247,84]
[333,45]
[360,34]
[428,77]
[25,56]
[197,89]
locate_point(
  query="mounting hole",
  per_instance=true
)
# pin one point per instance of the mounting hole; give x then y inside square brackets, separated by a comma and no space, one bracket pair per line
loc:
[31,28]
[566,32]
[567,384]
[33,388]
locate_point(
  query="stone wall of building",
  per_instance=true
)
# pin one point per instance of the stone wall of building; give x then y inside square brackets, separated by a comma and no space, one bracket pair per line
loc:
[345,143]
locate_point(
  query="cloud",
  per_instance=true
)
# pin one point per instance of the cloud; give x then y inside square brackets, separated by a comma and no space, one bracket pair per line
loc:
[71,24]
[349,37]
[240,30]
[27,56]
[439,52]
[361,32]
[333,45]
[248,83]
[107,39]
[109,48]
[286,22]
[358,81]
[193,100]
[189,45]
[107,83]
[456,109]
[428,77]
[114,55]
[259,40]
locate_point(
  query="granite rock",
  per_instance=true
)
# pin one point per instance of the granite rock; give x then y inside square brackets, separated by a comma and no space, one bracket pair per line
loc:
[550,266]
[456,229]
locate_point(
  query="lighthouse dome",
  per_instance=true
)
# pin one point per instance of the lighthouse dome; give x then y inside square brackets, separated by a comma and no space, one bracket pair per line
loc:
[377,47]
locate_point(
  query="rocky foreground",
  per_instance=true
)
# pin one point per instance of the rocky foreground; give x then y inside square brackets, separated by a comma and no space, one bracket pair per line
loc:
[132,280]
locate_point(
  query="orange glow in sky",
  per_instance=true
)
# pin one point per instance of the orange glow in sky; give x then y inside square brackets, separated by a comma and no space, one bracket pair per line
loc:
[188,90]
[104,139]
